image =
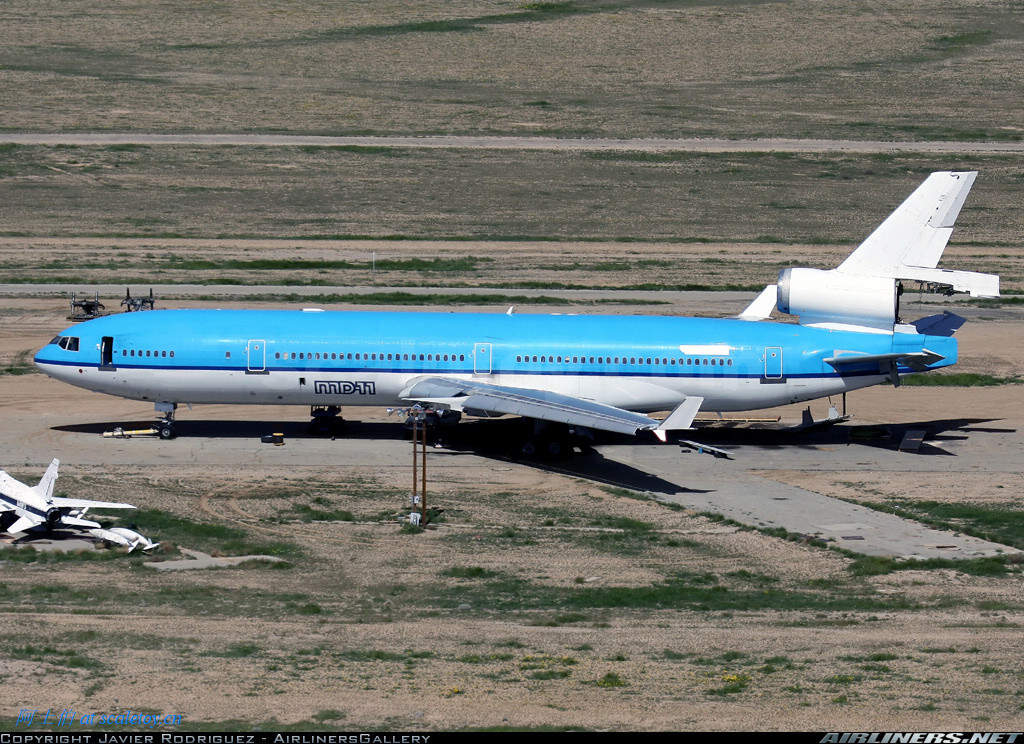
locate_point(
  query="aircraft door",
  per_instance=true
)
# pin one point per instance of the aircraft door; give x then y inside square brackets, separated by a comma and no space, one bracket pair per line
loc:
[256,351]
[107,353]
[773,363]
[482,359]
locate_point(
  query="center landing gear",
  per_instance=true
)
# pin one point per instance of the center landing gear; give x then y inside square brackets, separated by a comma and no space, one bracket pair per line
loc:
[546,441]
[325,421]
[164,424]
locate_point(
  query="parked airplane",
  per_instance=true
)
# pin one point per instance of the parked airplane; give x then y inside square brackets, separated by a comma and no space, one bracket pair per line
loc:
[34,508]
[598,372]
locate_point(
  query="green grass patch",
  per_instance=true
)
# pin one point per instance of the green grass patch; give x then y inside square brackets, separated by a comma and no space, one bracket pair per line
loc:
[236,651]
[1001,523]
[959,41]
[20,365]
[418,300]
[872,565]
[469,572]
[734,683]
[694,591]
[309,513]
[206,536]
[612,679]
[957,379]
[449,265]
[56,656]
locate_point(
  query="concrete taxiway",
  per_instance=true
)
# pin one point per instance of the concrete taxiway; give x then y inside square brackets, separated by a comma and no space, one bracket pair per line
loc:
[44,418]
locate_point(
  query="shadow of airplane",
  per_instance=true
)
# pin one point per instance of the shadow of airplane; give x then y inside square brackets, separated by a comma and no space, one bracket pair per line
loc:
[884,436]
[498,439]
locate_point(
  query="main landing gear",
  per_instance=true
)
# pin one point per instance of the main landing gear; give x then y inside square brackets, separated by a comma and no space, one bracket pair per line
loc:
[544,440]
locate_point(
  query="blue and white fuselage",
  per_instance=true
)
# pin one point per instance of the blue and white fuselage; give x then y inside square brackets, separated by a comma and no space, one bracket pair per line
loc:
[639,363]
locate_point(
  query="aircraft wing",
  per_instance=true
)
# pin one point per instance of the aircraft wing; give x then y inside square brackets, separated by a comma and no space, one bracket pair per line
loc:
[486,399]
[86,504]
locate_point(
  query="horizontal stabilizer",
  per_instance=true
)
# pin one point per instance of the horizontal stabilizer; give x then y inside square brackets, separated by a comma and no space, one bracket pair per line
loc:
[69,521]
[918,360]
[943,324]
[22,524]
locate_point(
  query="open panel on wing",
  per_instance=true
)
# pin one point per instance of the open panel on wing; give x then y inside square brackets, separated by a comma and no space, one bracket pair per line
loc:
[486,399]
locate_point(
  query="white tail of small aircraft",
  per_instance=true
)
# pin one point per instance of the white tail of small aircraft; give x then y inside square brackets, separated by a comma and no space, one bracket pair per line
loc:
[862,293]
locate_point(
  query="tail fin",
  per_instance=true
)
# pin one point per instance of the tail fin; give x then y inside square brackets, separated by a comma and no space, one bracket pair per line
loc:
[45,487]
[910,242]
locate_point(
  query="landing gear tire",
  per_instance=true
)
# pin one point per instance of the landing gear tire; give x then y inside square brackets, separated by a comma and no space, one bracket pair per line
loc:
[166,431]
[528,449]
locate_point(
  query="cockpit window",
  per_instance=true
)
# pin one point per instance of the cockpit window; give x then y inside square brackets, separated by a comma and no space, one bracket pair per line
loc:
[55,340]
[68,343]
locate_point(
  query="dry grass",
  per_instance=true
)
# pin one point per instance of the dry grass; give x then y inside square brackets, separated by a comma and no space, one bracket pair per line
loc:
[629,68]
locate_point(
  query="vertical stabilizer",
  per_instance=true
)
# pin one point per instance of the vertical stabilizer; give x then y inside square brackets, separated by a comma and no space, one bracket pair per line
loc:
[45,487]
[917,232]
[910,242]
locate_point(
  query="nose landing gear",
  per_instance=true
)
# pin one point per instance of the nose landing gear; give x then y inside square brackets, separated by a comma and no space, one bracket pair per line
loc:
[164,424]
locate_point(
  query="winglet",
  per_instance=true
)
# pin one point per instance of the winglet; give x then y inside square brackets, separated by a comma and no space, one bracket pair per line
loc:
[45,487]
[681,418]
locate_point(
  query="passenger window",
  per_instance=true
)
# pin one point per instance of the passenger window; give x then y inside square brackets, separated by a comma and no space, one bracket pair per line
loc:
[729,362]
[172,354]
[124,352]
[163,353]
